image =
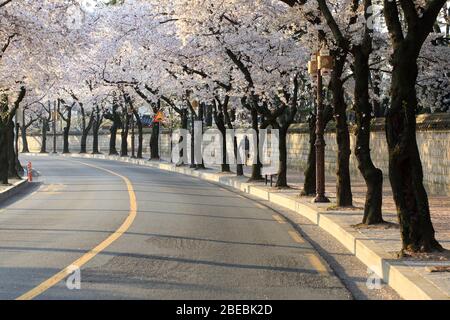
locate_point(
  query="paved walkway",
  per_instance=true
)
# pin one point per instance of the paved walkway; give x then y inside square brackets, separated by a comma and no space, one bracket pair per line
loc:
[439,204]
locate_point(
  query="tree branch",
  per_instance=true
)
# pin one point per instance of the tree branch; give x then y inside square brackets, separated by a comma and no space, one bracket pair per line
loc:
[340,39]
[4,3]
[391,16]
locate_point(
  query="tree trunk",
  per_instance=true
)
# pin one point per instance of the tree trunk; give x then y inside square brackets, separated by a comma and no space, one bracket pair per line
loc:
[12,159]
[201,109]
[112,140]
[344,196]
[239,167]
[19,167]
[405,167]
[209,116]
[96,124]
[256,168]
[225,166]
[66,131]
[282,169]
[83,142]
[229,117]
[184,126]
[44,136]
[154,142]
[372,175]
[192,141]
[3,154]
[95,130]
[140,135]
[66,139]
[377,110]
[23,131]
[220,123]
[124,138]
[85,130]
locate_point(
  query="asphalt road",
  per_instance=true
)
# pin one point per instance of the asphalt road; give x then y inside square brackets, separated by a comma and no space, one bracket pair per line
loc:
[184,239]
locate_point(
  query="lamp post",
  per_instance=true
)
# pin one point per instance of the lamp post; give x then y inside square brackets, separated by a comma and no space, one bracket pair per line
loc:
[320,65]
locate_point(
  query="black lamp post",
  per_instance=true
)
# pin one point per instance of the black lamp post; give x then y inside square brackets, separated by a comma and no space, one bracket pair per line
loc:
[320,65]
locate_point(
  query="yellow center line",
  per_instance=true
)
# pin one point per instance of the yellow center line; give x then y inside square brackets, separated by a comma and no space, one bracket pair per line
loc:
[47,284]
[316,263]
[278,218]
[294,235]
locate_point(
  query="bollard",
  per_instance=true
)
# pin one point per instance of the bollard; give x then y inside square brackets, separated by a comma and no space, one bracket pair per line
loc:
[30,172]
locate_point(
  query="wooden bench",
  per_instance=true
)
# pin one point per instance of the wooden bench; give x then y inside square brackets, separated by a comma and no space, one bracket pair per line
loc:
[269,177]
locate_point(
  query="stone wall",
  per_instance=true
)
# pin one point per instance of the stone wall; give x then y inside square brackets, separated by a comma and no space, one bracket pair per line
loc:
[433,138]
[35,141]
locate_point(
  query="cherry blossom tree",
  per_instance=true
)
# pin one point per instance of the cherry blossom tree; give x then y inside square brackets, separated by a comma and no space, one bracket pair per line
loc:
[405,167]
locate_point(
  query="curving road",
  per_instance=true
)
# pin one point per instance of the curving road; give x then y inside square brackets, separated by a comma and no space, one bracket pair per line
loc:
[184,239]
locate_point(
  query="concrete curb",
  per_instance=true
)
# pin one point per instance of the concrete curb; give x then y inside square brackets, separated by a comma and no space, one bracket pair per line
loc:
[13,190]
[408,283]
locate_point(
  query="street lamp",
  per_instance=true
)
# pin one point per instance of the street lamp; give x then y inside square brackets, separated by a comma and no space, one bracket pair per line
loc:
[320,65]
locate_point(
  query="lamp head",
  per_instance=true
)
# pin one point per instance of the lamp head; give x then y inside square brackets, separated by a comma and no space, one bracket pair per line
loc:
[325,61]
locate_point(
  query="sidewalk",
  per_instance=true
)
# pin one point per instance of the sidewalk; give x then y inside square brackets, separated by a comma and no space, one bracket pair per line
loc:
[376,247]
[439,204]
